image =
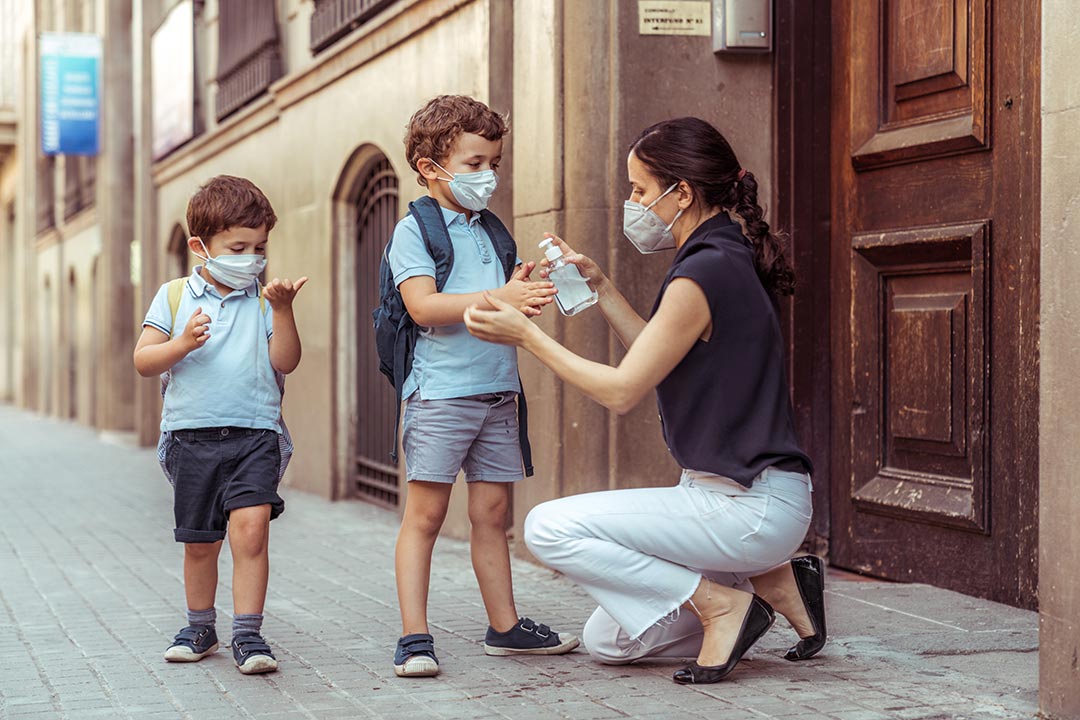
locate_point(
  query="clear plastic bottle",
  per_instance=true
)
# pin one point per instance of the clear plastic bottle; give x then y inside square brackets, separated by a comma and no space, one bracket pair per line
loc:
[574,292]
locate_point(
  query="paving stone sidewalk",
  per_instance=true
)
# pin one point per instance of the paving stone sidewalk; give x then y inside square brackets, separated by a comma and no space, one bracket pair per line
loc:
[91,594]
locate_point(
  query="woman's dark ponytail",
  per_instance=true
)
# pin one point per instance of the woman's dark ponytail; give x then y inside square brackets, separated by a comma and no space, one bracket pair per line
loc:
[770,255]
[692,150]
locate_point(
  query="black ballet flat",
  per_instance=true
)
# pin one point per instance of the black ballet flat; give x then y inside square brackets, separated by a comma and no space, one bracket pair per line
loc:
[809,572]
[759,618]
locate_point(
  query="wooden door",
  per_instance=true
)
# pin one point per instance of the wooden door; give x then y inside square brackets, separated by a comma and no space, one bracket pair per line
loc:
[935,272]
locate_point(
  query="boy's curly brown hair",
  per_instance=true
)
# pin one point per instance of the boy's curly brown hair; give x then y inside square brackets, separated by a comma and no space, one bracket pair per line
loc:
[434,128]
[226,202]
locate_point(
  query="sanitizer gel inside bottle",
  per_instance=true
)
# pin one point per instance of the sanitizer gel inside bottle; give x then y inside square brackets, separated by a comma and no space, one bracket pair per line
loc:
[574,292]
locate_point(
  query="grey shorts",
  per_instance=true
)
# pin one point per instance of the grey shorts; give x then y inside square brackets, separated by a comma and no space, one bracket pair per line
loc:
[478,433]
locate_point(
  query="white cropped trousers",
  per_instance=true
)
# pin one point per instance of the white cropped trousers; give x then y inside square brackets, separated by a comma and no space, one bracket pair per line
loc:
[642,553]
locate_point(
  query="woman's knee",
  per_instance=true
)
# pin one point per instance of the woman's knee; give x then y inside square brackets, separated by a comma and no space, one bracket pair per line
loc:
[602,638]
[542,531]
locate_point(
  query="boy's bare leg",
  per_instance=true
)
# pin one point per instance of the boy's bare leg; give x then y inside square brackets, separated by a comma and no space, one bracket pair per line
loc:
[425,510]
[201,574]
[488,505]
[249,535]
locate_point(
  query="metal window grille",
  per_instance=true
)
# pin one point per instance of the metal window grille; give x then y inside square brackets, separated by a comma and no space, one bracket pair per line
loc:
[80,177]
[249,53]
[46,193]
[376,479]
[333,19]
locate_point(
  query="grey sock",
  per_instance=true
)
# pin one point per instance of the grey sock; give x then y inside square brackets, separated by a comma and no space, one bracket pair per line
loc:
[202,617]
[246,624]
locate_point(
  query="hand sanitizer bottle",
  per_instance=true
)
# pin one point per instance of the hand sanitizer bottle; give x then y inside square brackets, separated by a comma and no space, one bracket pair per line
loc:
[574,292]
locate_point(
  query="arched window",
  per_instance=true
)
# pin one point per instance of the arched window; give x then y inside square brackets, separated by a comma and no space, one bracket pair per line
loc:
[377,213]
[71,338]
[177,254]
[46,337]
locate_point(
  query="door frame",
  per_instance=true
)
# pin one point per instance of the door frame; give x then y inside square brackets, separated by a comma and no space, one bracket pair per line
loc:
[803,87]
[344,359]
[1004,235]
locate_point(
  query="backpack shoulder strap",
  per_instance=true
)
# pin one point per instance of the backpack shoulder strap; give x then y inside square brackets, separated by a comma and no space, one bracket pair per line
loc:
[505,247]
[429,217]
[175,290]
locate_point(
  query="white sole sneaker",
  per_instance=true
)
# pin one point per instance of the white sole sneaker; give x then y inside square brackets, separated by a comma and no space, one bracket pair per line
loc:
[182,653]
[257,664]
[417,666]
[568,644]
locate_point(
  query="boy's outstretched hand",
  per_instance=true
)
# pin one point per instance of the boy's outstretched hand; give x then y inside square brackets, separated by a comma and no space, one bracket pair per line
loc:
[524,294]
[280,293]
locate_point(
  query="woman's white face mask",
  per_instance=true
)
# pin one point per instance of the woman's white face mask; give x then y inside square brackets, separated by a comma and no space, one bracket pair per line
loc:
[645,229]
[235,271]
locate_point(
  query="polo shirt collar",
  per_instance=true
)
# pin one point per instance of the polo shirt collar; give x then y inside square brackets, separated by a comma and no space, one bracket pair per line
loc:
[197,285]
[451,215]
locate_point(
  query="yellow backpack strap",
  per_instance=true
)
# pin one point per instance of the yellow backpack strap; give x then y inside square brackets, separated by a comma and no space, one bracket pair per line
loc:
[262,299]
[176,289]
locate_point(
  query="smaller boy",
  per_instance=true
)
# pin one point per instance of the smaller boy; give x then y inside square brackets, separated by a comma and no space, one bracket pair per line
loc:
[224,348]
[461,407]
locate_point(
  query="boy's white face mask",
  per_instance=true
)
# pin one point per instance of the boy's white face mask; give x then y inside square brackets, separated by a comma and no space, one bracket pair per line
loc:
[472,190]
[235,271]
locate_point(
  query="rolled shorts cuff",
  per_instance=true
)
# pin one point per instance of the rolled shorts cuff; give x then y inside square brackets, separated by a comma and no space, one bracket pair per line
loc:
[277,505]
[183,535]
[495,478]
[446,479]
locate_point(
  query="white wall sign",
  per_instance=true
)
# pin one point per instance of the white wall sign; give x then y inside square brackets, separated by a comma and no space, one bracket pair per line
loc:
[172,60]
[674,17]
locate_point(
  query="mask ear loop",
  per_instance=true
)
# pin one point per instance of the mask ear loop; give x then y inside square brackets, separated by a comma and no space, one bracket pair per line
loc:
[662,196]
[451,179]
[677,215]
[205,250]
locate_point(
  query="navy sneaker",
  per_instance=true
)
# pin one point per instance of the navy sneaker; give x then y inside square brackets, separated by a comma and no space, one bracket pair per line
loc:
[528,638]
[192,644]
[415,656]
[252,655]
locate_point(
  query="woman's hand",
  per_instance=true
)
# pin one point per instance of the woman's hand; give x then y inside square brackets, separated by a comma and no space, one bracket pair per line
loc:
[504,325]
[586,265]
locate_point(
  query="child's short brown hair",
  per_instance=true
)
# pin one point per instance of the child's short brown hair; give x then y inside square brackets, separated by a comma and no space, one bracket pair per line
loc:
[226,202]
[434,128]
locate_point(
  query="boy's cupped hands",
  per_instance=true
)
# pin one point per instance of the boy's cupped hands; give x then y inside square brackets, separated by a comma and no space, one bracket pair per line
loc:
[525,294]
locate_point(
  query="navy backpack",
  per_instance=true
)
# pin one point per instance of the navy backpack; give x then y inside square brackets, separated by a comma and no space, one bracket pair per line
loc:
[395,331]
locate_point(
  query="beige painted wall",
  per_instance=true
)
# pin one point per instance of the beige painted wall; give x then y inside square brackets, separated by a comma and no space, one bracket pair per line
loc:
[580,98]
[1059,397]
[297,156]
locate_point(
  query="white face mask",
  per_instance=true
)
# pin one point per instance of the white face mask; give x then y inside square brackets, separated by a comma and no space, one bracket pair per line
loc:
[472,190]
[645,229]
[235,271]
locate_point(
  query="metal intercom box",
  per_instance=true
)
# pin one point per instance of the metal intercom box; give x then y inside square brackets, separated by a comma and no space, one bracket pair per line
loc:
[742,25]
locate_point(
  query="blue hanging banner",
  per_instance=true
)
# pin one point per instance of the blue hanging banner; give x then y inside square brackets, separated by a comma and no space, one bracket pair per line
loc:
[70,93]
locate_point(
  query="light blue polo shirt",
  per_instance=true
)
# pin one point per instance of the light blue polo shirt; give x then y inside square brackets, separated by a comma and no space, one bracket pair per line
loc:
[448,361]
[229,380]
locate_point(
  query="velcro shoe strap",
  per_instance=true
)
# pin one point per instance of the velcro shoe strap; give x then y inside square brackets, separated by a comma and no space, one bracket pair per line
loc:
[248,644]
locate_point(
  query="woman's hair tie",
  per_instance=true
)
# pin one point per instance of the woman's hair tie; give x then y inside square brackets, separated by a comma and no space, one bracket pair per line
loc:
[742,174]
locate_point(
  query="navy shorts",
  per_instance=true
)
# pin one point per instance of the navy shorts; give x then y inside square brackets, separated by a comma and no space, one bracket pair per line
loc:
[217,470]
